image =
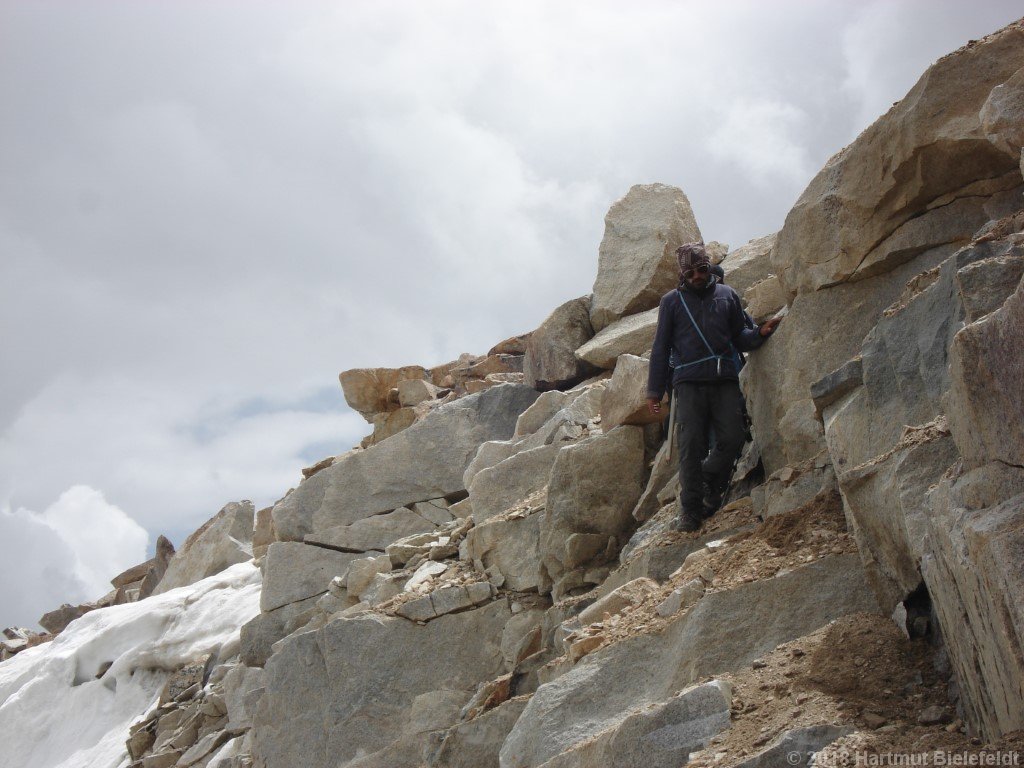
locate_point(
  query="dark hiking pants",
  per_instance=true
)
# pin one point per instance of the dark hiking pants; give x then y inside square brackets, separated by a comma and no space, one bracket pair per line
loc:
[701,407]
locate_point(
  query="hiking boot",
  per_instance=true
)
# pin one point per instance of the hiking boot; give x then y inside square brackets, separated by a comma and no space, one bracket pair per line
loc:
[686,521]
[712,497]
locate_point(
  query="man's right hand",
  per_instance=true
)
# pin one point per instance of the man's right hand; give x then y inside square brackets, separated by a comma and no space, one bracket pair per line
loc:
[654,406]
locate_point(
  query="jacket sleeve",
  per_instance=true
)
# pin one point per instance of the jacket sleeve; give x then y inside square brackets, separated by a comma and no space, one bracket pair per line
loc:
[746,335]
[658,371]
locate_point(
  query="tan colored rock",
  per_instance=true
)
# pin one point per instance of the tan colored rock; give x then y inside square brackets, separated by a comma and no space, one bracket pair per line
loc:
[636,260]
[1002,116]
[514,345]
[499,488]
[716,251]
[550,361]
[263,532]
[222,541]
[633,334]
[415,391]
[507,551]
[618,600]
[367,390]
[625,397]
[372,533]
[915,179]
[987,395]
[765,298]
[749,264]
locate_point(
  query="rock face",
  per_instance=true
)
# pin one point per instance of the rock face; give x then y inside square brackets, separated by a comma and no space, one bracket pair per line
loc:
[633,334]
[551,361]
[919,177]
[224,540]
[433,455]
[625,398]
[636,261]
[749,264]
[340,670]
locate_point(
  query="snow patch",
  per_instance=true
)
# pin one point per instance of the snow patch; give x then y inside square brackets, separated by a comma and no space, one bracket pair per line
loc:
[69,703]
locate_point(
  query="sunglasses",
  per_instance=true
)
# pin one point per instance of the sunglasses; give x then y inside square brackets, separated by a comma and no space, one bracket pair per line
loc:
[699,269]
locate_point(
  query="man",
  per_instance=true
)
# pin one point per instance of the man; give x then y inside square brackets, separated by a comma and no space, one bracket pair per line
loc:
[703,322]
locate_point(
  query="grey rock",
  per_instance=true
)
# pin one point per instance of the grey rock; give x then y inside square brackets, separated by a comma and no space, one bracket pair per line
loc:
[660,736]
[624,400]
[837,384]
[632,334]
[725,630]
[433,455]
[636,261]
[421,609]
[383,587]
[766,298]
[543,408]
[551,361]
[662,472]
[489,454]
[222,541]
[362,571]
[260,633]
[372,533]
[295,571]
[1002,115]
[500,487]
[475,744]
[322,705]
[594,487]
[802,742]
[434,510]
[238,683]
[986,284]
[509,547]
[749,264]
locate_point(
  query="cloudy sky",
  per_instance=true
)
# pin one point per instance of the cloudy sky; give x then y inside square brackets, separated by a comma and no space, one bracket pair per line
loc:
[208,210]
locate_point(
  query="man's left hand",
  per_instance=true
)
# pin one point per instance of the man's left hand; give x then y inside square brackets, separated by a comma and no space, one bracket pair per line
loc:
[768,326]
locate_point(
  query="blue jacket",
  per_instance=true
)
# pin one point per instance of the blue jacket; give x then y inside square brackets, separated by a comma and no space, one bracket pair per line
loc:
[717,310]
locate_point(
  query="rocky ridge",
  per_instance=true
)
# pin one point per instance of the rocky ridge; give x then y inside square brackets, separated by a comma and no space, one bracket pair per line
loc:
[489,579]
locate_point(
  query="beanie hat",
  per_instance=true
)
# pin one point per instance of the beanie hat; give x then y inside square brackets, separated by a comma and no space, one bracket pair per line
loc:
[690,254]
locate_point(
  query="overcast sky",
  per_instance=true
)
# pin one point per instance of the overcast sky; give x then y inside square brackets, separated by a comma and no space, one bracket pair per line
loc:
[208,210]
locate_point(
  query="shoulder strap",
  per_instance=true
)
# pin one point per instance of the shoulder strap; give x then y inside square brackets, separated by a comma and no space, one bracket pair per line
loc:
[695,326]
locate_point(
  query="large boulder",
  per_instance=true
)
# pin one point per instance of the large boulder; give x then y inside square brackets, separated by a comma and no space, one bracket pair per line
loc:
[633,334]
[372,533]
[499,488]
[507,550]
[749,264]
[919,177]
[987,397]
[295,571]
[594,486]
[625,397]
[972,568]
[368,390]
[725,630]
[636,261]
[322,706]
[550,361]
[222,541]
[425,461]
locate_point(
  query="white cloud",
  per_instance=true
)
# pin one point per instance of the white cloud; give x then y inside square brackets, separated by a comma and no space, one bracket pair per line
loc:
[67,553]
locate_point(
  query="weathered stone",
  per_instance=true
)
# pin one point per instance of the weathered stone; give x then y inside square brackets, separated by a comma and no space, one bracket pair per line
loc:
[433,455]
[367,390]
[837,384]
[985,285]
[404,550]
[776,496]
[749,264]
[618,600]
[632,334]
[514,345]
[185,678]
[259,635]
[415,391]
[498,488]
[594,486]
[551,361]
[636,260]
[765,298]
[682,598]
[972,569]
[662,736]
[434,510]
[294,571]
[1002,116]
[421,609]
[476,743]
[986,413]
[361,572]
[510,548]
[662,472]
[543,408]
[796,746]
[725,630]
[57,620]
[625,397]
[238,683]
[916,178]
[158,563]
[263,534]
[340,670]
[372,533]
[383,587]
[388,424]
[222,541]
[202,748]
[581,548]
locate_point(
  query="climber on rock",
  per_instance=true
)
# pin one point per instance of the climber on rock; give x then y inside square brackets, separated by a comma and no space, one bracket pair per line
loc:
[702,322]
